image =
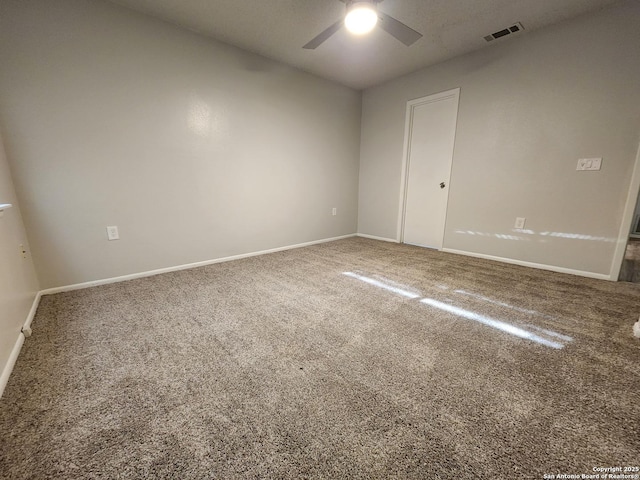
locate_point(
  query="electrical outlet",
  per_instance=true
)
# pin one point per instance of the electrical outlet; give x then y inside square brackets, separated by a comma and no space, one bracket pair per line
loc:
[520,222]
[3,207]
[334,211]
[112,233]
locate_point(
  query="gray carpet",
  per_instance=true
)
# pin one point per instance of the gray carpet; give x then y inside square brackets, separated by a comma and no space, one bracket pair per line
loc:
[415,364]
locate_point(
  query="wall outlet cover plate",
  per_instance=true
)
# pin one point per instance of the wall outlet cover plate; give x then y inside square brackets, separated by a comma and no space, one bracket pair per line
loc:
[112,233]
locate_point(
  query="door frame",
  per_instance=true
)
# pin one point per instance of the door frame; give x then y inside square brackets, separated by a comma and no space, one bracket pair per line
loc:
[627,219]
[406,152]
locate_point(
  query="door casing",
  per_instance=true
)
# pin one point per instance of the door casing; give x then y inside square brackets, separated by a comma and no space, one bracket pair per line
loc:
[404,180]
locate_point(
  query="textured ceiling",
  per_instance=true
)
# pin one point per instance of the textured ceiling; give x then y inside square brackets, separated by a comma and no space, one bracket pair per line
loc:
[278,29]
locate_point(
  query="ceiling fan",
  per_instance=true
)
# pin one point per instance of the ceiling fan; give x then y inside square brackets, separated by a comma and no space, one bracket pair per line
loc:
[361,17]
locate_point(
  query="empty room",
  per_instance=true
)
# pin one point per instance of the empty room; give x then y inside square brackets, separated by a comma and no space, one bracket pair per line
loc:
[324,239]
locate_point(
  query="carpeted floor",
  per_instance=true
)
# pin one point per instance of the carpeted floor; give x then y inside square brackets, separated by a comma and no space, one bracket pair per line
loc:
[351,359]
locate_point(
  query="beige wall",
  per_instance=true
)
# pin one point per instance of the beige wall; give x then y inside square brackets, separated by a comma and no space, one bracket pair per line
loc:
[196,150]
[18,283]
[530,107]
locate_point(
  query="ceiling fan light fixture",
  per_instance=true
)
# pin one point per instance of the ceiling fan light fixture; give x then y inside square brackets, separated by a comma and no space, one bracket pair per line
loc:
[361,17]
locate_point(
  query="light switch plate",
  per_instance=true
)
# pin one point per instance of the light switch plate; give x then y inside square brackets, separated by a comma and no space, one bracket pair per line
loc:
[520,222]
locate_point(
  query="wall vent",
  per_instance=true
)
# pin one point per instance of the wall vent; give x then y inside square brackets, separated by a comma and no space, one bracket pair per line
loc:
[515,28]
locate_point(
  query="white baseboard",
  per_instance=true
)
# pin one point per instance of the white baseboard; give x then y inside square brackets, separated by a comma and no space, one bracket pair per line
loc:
[13,357]
[150,273]
[541,266]
[32,312]
[373,237]
[8,368]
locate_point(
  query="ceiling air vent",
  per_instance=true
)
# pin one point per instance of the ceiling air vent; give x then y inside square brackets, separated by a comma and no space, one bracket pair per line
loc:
[504,32]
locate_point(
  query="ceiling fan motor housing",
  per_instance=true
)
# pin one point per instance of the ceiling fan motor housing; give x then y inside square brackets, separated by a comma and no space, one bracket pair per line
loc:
[353,3]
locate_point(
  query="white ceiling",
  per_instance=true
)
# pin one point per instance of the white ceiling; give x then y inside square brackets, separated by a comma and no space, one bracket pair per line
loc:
[278,29]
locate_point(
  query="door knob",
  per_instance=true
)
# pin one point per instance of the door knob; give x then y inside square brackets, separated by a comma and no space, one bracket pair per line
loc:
[442,185]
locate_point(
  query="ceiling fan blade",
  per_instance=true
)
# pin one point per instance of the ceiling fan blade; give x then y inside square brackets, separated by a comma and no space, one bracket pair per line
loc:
[325,34]
[397,29]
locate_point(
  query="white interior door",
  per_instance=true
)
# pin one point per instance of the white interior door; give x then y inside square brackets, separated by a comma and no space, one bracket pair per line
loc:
[429,138]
